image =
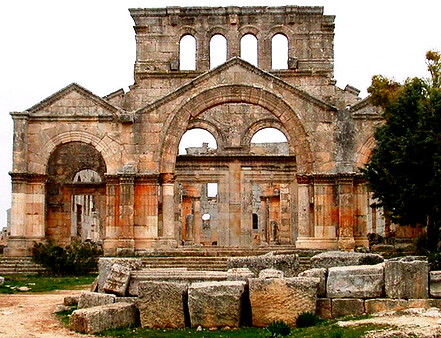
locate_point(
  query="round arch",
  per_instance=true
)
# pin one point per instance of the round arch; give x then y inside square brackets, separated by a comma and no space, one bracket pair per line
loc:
[364,152]
[211,128]
[104,145]
[267,123]
[178,121]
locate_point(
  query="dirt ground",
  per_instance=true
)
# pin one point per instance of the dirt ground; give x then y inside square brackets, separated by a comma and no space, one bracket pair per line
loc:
[30,315]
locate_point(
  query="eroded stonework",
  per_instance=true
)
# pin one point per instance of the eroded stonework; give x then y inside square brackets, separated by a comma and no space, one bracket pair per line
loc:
[108,169]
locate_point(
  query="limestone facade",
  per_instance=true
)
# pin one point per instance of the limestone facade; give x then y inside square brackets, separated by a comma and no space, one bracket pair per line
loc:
[107,168]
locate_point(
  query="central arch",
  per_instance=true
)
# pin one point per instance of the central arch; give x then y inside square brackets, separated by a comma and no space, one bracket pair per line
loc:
[178,121]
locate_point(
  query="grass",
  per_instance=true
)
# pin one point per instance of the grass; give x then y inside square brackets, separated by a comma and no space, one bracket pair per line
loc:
[327,329]
[43,283]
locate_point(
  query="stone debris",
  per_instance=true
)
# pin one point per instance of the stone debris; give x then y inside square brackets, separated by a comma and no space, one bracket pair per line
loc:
[281,299]
[105,266]
[104,317]
[406,278]
[321,273]
[162,304]
[2,280]
[435,284]
[289,264]
[364,281]
[118,279]
[239,274]
[331,259]
[216,304]
[91,299]
[271,273]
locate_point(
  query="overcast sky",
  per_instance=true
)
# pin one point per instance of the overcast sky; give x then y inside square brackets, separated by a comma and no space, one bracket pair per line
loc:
[46,45]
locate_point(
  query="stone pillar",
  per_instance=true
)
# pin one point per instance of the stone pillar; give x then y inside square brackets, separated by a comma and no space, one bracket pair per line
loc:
[126,217]
[27,213]
[304,201]
[346,239]
[112,230]
[235,204]
[168,209]
[197,219]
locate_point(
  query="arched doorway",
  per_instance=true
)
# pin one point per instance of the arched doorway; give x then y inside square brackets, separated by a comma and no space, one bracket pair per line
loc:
[75,194]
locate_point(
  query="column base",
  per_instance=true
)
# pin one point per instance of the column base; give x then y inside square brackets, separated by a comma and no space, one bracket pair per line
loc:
[18,246]
[316,243]
[361,241]
[346,243]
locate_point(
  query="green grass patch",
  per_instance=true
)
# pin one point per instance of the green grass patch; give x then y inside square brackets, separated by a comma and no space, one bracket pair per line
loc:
[19,284]
[325,330]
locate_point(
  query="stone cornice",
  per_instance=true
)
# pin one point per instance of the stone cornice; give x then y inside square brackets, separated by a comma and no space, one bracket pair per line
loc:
[25,177]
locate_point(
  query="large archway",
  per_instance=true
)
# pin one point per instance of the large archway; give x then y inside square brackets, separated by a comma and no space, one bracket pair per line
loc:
[75,193]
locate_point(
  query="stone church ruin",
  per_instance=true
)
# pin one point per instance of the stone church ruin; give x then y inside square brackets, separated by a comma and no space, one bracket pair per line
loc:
[107,169]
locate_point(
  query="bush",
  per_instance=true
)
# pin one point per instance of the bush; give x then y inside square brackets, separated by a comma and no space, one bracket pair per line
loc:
[434,260]
[307,319]
[76,259]
[278,329]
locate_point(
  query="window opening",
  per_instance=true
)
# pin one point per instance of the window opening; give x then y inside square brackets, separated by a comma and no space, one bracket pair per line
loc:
[196,142]
[212,190]
[279,51]
[187,53]
[248,49]
[218,50]
[255,221]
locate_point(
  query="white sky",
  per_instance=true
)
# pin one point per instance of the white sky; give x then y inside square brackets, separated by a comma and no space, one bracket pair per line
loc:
[46,45]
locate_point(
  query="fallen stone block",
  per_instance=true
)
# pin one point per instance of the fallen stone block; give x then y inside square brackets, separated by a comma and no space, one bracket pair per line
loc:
[364,281]
[271,273]
[406,278]
[117,281]
[384,304]
[239,274]
[2,280]
[104,317]
[320,273]
[426,303]
[105,265]
[435,284]
[216,304]
[162,304]
[347,307]
[331,259]
[91,299]
[274,299]
[289,264]
[71,300]
[324,308]
[173,276]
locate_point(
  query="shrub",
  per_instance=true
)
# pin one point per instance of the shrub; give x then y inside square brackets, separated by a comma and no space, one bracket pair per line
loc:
[337,333]
[278,329]
[76,259]
[307,319]
[434,260]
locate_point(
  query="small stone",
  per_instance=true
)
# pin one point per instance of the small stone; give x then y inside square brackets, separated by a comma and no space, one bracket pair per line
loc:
[2,280]
[24,289]
[199,329]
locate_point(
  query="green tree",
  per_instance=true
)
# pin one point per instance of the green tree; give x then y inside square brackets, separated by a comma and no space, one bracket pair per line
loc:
[404,170]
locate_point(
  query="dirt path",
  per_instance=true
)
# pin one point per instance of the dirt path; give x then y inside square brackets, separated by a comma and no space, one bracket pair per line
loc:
[31,315]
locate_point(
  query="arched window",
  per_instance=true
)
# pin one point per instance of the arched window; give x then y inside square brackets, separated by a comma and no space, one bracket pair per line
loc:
[279,51]
[218,50]
[248,49]
[197,141]
[269,141]
[87,176]
[187,53]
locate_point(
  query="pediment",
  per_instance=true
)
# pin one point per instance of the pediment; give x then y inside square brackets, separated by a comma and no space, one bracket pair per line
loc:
[237,72]
[76,102]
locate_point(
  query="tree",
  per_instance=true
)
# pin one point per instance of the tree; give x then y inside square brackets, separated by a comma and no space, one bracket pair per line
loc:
[404,170]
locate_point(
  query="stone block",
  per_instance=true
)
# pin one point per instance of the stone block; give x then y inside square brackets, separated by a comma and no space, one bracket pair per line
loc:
[104,317]
[364,281]
[239,274]
[281,299]
[347,307]
[271,273]
[71,300]
[435,284]
[384,304]
[117,281]
[91,299]
[105,265]
[216,304]
[162,304]
[331,259]
[321,273]
[323,308]
[425,303]
[406,278]
[289,264]
[2,280]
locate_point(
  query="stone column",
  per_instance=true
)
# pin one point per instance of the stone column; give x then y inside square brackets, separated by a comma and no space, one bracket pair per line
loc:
[126,217]
[112,230]
[304,200]
[168,209]
[235,204]
[197,219]
[346,239]
[27,213]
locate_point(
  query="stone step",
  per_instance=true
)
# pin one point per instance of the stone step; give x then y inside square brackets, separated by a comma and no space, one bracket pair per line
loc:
[19,266]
